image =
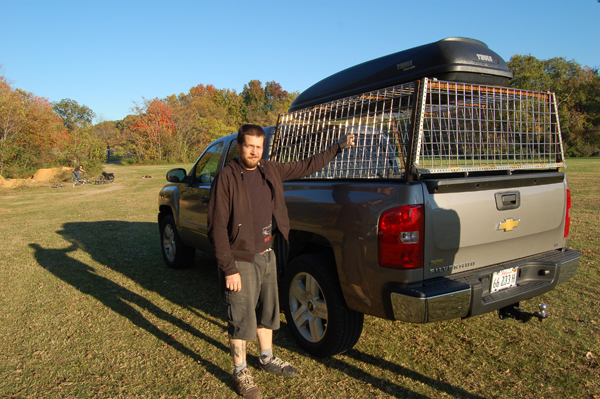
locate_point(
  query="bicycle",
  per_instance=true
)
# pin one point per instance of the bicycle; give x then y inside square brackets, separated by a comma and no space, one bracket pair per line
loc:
[105,178]
[79,182]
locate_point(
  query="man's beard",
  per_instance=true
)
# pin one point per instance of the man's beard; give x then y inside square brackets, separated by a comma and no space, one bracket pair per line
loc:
[250,163]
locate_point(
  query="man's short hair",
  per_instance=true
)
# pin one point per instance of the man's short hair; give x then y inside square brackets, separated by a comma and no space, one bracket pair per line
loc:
[249,130]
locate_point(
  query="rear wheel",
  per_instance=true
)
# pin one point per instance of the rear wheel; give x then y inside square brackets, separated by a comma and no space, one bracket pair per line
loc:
[315,309]
[176,254]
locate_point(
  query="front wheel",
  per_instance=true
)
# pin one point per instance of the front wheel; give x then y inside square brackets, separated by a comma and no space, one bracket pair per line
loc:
[176,254]
[315,308]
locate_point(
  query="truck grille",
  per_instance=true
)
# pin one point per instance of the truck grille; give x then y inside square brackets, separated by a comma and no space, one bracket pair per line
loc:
[431,126]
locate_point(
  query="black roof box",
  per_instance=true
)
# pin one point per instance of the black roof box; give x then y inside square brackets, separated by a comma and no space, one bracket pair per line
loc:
[455,59]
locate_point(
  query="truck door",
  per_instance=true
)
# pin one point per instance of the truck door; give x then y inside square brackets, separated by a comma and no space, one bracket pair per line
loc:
[194,198]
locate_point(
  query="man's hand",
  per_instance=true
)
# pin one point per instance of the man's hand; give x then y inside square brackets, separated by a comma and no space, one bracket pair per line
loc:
[346,141]
[233,282]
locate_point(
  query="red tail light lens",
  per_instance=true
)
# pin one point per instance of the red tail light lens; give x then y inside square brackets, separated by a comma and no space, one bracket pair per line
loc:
[400,238]
[568,214]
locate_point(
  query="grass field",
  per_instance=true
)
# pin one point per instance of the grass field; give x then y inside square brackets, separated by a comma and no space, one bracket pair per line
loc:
[89,310]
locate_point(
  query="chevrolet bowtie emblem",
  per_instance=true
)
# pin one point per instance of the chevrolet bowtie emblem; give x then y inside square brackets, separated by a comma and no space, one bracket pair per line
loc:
[508,224]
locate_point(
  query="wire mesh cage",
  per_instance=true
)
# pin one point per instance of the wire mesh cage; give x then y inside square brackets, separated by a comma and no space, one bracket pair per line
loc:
[468,127]
[380,120]
[431,126]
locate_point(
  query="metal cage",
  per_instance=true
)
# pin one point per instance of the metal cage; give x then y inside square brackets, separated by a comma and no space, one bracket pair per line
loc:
[432,126]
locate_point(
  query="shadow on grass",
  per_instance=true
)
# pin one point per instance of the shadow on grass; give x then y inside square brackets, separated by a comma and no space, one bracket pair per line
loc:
[400,370]
[133,250]
[384,385]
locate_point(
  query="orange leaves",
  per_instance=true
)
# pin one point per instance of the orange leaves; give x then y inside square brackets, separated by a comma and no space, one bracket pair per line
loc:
[154,127]
[156,117]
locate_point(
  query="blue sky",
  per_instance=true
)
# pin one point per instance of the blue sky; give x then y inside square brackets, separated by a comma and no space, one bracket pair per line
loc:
[108,54]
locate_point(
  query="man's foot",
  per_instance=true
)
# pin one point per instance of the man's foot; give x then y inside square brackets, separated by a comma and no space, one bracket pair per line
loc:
[245,386]
[279,367]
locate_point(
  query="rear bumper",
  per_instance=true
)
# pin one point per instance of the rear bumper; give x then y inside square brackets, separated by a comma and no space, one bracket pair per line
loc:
[467,294]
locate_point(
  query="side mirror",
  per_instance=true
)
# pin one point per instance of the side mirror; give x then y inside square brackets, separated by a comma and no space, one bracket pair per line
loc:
[176,175]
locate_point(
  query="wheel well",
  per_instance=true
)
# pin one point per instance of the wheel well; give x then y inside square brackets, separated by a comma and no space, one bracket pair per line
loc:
[163,211]
[303,242]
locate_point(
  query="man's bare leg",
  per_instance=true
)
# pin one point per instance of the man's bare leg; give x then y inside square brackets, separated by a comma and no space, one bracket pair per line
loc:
[265,338]
[242,379]
[238,352]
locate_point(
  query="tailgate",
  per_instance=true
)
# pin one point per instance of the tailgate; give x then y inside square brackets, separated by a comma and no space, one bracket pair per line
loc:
[476,222]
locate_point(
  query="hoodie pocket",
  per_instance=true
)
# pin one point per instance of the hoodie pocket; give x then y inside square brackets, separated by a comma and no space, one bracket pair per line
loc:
[234,236]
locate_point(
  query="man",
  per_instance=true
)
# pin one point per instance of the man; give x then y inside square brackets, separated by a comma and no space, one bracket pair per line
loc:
[245,199]
[78,170]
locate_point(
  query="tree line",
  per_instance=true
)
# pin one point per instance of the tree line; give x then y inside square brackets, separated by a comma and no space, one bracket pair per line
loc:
[35,133]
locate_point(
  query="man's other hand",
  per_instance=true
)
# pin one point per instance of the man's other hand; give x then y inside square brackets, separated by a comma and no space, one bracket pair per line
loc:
[233,282]
[346,141]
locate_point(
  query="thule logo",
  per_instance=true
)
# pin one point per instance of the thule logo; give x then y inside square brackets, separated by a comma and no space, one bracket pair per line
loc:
[405,65]
[483,57]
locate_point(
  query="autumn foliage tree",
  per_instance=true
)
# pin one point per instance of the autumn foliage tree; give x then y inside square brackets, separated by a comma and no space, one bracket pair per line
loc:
[264,104]
[12,115]
[153,130]
[202,115]
[30,132]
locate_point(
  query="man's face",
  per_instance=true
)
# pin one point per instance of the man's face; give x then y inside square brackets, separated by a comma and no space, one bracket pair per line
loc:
[251,151]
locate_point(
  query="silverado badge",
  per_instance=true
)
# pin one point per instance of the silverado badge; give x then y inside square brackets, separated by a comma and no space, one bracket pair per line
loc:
[508,224]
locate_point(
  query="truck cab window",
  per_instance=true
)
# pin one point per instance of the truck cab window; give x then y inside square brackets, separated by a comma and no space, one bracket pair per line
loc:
[206,168]
[232,153]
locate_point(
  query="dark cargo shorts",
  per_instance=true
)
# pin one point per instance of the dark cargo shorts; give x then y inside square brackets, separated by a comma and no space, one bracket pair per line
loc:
[257,304]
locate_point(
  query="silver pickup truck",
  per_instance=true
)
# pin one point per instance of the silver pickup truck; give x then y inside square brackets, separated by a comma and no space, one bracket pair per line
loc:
[452,204]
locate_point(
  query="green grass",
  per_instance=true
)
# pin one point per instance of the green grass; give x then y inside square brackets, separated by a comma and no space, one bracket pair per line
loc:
[89,310]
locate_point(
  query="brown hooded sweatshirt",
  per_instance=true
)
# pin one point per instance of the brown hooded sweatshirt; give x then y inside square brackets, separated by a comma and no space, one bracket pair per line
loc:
[230,224]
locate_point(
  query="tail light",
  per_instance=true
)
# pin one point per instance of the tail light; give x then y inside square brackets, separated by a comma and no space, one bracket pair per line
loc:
[568,213]
[400,238]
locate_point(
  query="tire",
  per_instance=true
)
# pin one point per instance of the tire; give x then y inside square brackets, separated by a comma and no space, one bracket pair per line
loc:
[315,309]
[111,178]
[176,254]
[100,180]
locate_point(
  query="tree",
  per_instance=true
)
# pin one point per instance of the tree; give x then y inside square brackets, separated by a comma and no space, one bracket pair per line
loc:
[263,105]
[12,115]
[155,127]
[577,90]
[202,115]
[107,132]
[74,117]
[30,131]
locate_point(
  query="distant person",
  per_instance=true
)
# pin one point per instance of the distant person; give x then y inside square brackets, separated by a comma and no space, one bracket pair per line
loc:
[245,200]
[77,171]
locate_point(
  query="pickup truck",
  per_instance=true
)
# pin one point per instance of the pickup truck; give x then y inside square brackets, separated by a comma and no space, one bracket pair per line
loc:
[452,204]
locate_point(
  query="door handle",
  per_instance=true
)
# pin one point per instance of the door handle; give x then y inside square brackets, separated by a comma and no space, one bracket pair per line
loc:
[508,200]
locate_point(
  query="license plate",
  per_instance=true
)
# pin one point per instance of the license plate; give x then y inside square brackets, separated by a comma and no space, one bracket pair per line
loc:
[504,279]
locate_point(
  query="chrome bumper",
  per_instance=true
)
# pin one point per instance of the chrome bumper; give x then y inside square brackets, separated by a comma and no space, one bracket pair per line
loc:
[465,295]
